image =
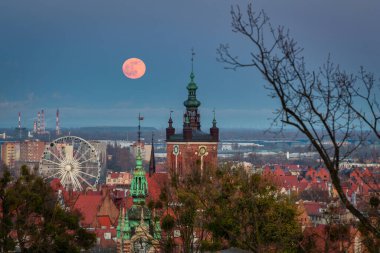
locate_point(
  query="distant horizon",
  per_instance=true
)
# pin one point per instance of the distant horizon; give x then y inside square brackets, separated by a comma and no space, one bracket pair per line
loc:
[142,127]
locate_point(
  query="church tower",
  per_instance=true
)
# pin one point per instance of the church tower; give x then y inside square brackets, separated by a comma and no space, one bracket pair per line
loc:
[192,149]
[138,228]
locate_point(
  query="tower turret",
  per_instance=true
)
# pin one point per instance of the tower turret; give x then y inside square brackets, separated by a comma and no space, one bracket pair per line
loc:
[170,130]
[214,130]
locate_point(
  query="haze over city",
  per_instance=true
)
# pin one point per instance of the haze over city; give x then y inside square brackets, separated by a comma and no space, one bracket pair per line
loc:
[68,55]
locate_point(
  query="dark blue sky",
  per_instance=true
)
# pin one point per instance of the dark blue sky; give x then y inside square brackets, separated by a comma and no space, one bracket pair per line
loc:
[68,55]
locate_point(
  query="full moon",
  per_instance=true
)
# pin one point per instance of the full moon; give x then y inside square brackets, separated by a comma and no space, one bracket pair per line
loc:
[134,68]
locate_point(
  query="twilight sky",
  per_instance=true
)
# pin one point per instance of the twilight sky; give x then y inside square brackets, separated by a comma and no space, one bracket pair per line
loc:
[68,55]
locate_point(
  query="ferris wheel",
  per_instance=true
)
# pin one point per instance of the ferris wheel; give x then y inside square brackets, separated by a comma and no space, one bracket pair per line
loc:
[73,160]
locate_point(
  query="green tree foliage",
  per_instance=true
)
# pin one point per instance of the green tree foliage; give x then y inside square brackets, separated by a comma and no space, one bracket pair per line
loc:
[167,226]
[6,243]
[229,208]
[121,158]
[248,212]
[33,219]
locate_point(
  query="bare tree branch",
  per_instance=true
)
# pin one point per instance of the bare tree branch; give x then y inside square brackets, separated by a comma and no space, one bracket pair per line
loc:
[322,105]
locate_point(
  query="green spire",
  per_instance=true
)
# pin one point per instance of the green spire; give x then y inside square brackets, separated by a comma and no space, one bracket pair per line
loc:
[192,87]
[123,228]
[139,185]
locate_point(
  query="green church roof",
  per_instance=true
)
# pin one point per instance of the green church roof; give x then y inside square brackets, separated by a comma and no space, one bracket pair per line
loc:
[192,97]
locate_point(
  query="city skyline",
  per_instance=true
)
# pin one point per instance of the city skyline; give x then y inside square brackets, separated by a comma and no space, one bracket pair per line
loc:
[69,55]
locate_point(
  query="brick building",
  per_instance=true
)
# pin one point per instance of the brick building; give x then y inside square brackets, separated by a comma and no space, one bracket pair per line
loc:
[193,148]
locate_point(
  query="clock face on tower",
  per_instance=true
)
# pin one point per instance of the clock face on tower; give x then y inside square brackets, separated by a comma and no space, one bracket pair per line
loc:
[175,149]
[202,150]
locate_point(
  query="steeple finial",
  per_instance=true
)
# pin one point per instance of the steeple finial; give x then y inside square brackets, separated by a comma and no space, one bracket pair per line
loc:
[192,64]
[214,120]
[139,130]
[170,116]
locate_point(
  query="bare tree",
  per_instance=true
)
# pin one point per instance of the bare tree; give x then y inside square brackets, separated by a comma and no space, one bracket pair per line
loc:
[320,104]
[363,90]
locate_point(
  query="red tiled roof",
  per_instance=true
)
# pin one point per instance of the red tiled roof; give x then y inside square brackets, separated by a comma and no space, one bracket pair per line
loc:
[55,184]
[290,180]
[69,198]
[312,208]
[88,205]
[155,183]
[104,221]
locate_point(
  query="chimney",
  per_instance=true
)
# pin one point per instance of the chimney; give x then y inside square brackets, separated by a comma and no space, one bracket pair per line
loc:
[57,129]
[38,122]
[19,120]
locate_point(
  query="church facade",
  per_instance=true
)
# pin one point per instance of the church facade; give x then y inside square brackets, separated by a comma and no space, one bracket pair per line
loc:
[138,229]
[192,149]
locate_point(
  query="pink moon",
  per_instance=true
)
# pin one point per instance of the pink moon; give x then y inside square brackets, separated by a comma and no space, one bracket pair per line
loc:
[134,68]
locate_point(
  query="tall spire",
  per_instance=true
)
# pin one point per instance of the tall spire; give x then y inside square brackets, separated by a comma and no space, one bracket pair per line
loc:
[192,87]
[192,103]
[170,130]
[152,162]
[170,119]
[214,130]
